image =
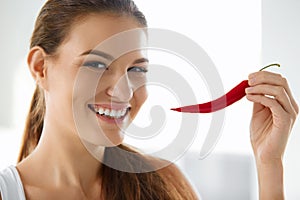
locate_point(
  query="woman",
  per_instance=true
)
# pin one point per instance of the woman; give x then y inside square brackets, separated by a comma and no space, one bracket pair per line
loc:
[54,162]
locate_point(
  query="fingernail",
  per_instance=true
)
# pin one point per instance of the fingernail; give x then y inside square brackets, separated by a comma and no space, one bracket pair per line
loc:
[251,75]
[251,80]
[249,89]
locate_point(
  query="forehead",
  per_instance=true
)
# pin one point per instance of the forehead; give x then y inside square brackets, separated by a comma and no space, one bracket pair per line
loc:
[92,31]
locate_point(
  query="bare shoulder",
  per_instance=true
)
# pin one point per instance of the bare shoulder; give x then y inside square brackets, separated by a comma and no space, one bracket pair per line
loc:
[172,174]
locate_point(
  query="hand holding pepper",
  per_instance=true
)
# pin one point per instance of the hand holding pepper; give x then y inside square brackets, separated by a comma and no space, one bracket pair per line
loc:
[274,113]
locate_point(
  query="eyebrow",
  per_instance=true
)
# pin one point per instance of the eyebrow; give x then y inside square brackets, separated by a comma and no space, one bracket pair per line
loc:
[98,53]
[109,57]
[141,60]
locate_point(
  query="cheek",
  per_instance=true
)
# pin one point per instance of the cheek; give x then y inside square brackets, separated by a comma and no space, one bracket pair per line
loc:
[138,99]
[60,90]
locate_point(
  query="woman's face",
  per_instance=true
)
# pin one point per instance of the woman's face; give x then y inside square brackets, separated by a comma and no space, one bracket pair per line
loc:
[91,91]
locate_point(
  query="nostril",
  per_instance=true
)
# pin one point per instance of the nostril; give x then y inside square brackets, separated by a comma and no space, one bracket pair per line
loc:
[119,87]
[122,94]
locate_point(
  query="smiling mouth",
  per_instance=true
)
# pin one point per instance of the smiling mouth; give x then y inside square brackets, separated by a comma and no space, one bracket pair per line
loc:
[109,112]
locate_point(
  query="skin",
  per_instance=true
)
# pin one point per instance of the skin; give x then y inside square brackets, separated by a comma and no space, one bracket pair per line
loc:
[271,124]
[72,173]
[69,171]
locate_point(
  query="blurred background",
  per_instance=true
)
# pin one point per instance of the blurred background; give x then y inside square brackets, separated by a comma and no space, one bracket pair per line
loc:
[240,36]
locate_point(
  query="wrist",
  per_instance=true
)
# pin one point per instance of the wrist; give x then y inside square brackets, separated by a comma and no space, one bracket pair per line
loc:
[269,163]
[270,176]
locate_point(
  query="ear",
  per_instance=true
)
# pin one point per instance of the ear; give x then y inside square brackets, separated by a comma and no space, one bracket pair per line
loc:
[36,63]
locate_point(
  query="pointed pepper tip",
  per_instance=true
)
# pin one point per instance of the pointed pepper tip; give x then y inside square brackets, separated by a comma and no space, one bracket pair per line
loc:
[176,109]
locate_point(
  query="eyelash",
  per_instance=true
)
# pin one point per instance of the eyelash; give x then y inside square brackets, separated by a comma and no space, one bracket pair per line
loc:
[95,64]
[138,69]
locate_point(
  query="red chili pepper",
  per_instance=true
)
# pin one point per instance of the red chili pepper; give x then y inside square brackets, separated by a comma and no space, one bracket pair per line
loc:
[234,95]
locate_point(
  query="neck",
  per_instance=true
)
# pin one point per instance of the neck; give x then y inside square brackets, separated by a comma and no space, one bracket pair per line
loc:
[64,159]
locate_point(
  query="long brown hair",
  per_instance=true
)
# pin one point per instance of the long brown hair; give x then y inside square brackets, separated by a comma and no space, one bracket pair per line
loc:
[52,26]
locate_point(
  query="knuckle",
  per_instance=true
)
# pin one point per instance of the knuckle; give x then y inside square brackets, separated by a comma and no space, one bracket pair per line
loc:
[279,76]
[292,118]
[279,91]
[284,81]
[289,118]
[286,118]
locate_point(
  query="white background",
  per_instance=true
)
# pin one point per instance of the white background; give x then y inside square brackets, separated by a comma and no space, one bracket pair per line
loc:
[239,36]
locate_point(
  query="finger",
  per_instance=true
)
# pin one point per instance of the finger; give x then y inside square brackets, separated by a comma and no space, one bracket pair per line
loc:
[278,92]
[271,103]
[262,77]
[265,77]
[280,117]
[257,107]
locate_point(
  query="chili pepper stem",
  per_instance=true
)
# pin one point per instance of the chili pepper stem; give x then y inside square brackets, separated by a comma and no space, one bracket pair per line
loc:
[275,64]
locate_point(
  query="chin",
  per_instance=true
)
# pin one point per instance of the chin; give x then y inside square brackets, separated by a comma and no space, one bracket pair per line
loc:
[109,139]
[97,149]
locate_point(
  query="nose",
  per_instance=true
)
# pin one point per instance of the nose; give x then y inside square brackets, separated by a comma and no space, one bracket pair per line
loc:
[119,89]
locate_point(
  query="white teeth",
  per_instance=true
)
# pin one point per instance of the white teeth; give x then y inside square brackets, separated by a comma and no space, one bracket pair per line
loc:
[101,111]
[111,113]
[107,112]
[123,112]
[119,113]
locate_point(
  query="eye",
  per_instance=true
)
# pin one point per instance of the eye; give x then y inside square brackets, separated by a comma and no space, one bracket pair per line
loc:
[94,64]
[138,69]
